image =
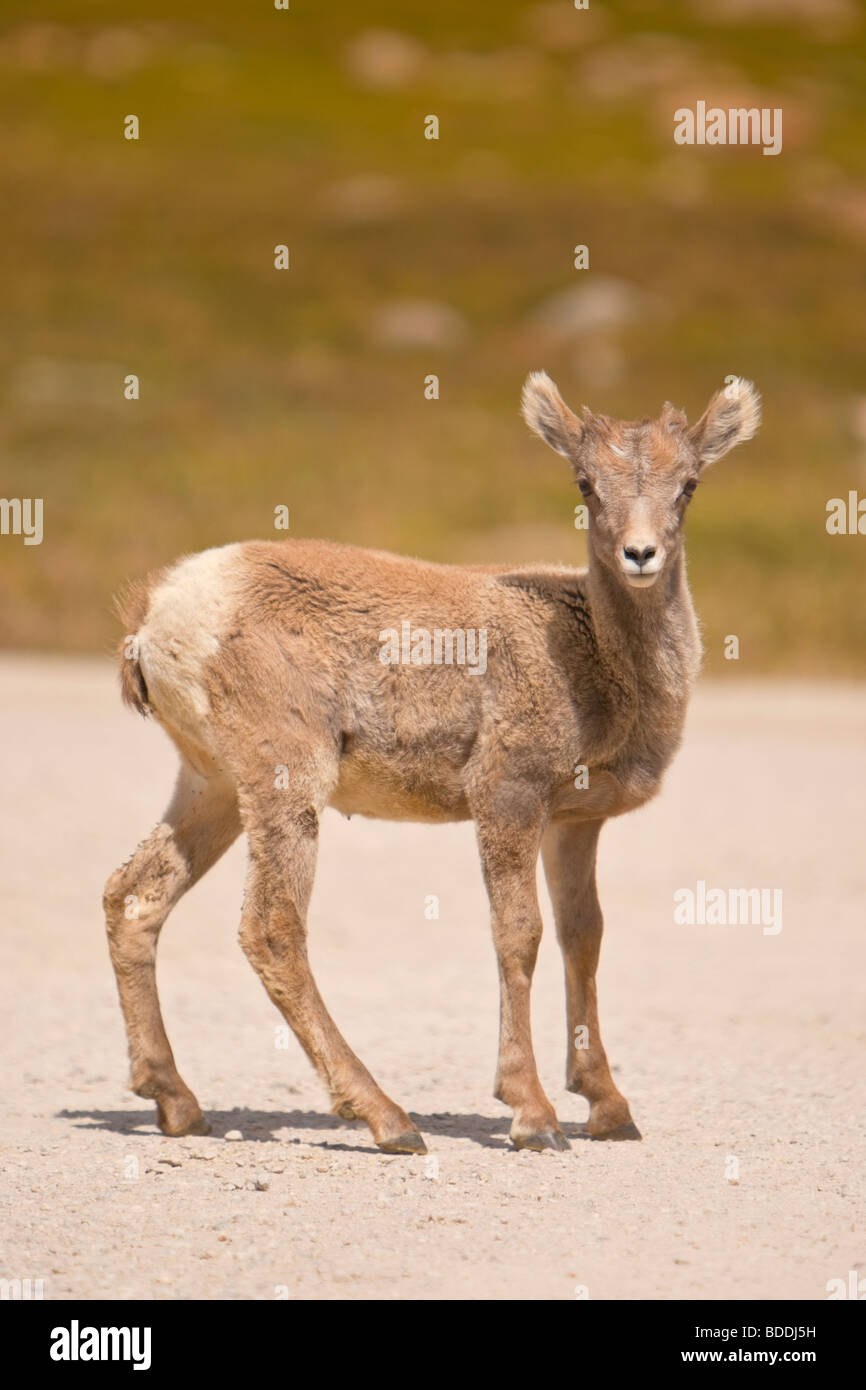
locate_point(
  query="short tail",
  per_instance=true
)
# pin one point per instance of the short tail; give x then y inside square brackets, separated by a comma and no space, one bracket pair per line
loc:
[132,606]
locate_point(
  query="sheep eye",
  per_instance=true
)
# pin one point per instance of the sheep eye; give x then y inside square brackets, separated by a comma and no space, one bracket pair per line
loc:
[585,487]
[689,488]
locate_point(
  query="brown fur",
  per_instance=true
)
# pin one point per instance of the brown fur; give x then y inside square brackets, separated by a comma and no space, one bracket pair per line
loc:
[266,656]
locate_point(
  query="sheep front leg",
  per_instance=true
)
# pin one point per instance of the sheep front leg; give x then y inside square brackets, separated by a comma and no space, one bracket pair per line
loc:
[569,853]
[509,853]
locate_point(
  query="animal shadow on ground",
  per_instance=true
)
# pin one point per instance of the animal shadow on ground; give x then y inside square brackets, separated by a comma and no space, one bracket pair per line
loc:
[263,1126]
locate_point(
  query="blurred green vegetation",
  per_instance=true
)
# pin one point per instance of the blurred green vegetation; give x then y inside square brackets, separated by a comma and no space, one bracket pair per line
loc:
[261,387]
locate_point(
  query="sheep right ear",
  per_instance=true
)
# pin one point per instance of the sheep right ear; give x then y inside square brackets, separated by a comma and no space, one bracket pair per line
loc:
[546,413]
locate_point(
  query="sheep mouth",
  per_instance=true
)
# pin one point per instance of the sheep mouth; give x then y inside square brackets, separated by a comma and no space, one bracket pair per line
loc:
[641,579]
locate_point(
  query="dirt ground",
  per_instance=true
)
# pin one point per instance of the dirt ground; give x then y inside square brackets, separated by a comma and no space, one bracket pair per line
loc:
[741,1052]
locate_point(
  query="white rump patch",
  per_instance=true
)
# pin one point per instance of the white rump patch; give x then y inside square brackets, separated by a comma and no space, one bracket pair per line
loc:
[188,614]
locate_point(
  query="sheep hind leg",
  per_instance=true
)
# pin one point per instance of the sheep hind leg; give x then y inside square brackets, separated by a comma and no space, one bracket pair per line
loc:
[282,828]
[201,822]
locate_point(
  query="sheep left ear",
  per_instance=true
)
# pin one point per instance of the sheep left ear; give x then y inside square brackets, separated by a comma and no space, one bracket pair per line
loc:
[732,417]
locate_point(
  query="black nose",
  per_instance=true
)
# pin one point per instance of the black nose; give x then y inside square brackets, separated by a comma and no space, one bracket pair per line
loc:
[640,557]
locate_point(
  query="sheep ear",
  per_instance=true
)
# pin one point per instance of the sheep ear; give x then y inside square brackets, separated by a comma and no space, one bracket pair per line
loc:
[732,417]
[546,413]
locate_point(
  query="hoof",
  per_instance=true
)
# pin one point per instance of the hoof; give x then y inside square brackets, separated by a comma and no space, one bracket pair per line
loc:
[541,1140]
[410,1143]
[180,1125]
[199,1126]
[626,1131]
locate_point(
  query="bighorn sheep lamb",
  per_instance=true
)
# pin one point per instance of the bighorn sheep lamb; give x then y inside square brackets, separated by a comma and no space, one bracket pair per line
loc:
[270,666]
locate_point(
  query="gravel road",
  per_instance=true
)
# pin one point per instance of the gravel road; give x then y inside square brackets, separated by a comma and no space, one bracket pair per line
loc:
[741,1051]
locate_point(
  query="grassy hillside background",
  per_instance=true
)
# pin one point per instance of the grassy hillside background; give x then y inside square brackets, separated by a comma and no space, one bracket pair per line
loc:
[411,256]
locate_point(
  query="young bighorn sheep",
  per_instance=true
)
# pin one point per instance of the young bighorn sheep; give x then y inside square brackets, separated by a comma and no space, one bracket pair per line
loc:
[265,656]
